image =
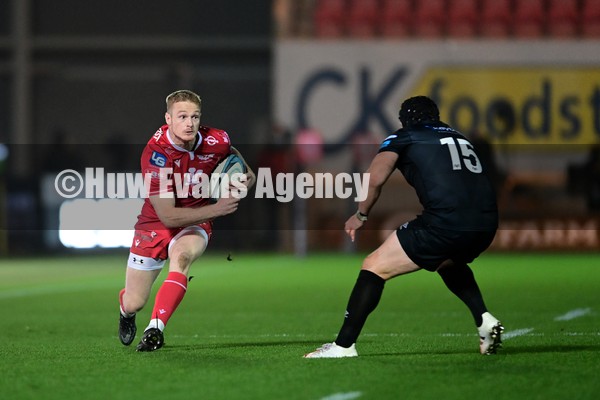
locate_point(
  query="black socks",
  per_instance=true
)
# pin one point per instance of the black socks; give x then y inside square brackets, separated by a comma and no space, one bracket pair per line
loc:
[364,298]
[460,280]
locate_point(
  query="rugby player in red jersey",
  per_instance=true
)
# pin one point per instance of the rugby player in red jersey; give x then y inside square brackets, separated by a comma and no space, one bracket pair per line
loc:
[174,224]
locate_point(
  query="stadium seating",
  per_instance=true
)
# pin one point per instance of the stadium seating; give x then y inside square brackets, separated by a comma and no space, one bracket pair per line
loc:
[563,18]
[529,18]
[590,18]
[329,18]
[430,17]
[363,18]
[513,19]
[462,18]
[396,18]
[496,17]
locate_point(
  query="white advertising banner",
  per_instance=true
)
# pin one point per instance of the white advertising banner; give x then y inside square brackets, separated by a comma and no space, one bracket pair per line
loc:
[526,92]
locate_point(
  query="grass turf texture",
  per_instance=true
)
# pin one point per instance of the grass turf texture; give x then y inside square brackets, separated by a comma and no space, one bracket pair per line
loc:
[244,325]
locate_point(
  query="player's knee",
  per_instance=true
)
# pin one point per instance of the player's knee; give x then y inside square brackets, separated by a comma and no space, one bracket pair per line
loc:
[133,304]
[367,263]
[183,260]
[370,263]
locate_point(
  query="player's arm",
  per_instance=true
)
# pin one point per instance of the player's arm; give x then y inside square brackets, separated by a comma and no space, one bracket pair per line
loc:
[379,171]
[176,217]
[250,174]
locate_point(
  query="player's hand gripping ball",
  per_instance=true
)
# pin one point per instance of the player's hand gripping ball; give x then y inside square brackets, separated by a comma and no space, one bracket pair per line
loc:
[230,170]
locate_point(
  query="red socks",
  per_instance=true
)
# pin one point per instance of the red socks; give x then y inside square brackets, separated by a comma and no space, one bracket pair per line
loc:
[169,296]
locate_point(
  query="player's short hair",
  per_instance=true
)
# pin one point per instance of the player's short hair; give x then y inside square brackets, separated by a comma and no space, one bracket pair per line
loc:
[418,109]
[183,95]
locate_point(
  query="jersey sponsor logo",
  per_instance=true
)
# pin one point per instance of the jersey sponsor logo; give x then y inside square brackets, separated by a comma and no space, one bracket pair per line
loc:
[441,128]
[388,140]
[224,136]
[171,150]
[157,135]
[211,140]
[158,159]
[385,143]
[205,157]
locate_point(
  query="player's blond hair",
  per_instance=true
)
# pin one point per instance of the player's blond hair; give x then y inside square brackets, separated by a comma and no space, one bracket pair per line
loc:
[182,95]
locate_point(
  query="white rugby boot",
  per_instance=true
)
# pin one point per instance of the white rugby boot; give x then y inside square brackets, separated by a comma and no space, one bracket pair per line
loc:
[332,350]
[490,333]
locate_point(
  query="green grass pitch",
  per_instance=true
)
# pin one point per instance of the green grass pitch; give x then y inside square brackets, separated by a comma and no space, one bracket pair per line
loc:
[244,325]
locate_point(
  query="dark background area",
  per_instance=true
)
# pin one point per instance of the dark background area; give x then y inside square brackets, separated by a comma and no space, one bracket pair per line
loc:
[90,78]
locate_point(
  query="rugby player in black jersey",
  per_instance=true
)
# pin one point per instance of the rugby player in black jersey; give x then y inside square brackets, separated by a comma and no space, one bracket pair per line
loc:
[458,222]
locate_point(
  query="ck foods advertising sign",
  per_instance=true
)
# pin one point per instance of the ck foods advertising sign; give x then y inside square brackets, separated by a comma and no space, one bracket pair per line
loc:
[532,95]
[512,93]
[519,105]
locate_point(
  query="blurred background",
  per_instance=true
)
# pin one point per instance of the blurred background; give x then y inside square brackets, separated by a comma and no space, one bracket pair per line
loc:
[299,85]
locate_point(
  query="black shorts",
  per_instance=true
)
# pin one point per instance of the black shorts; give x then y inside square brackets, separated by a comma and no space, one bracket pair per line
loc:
[429,246]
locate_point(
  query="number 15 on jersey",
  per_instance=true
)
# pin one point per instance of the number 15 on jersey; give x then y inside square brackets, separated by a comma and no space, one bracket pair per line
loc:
[462,154]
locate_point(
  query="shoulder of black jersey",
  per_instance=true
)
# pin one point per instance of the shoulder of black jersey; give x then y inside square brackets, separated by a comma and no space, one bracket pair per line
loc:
[393,136]
[390,142]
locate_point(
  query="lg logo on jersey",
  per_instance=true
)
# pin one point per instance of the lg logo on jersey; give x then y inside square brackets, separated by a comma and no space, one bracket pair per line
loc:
[158,159]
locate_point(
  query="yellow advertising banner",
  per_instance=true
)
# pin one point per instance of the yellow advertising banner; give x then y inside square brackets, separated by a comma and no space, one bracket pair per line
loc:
[518,105]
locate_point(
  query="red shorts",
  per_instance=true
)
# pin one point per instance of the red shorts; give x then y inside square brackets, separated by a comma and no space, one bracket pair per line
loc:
[150,247]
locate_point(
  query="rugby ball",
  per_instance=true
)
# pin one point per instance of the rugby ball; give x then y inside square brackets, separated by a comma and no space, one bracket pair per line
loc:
[232,164]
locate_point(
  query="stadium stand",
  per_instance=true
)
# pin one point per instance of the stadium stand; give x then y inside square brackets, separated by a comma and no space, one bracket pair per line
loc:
[590,18]
[495,20]
[329,18]
[563,18]
[529,18]
[463,16]
[396,18]
[363,18]
[514,19]
[430,18]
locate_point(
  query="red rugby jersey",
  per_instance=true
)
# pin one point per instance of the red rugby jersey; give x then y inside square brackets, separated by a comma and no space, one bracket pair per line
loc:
[179,169]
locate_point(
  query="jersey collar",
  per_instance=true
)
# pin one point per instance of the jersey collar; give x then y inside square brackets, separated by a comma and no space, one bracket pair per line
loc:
[177,147]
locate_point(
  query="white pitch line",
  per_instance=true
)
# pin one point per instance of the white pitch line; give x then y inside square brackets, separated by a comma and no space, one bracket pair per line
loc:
[506,335]
[343,396]
[517,332]
[578,312]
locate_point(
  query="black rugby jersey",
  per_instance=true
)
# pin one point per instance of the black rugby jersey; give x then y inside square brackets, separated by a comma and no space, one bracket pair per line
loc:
[447,175]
